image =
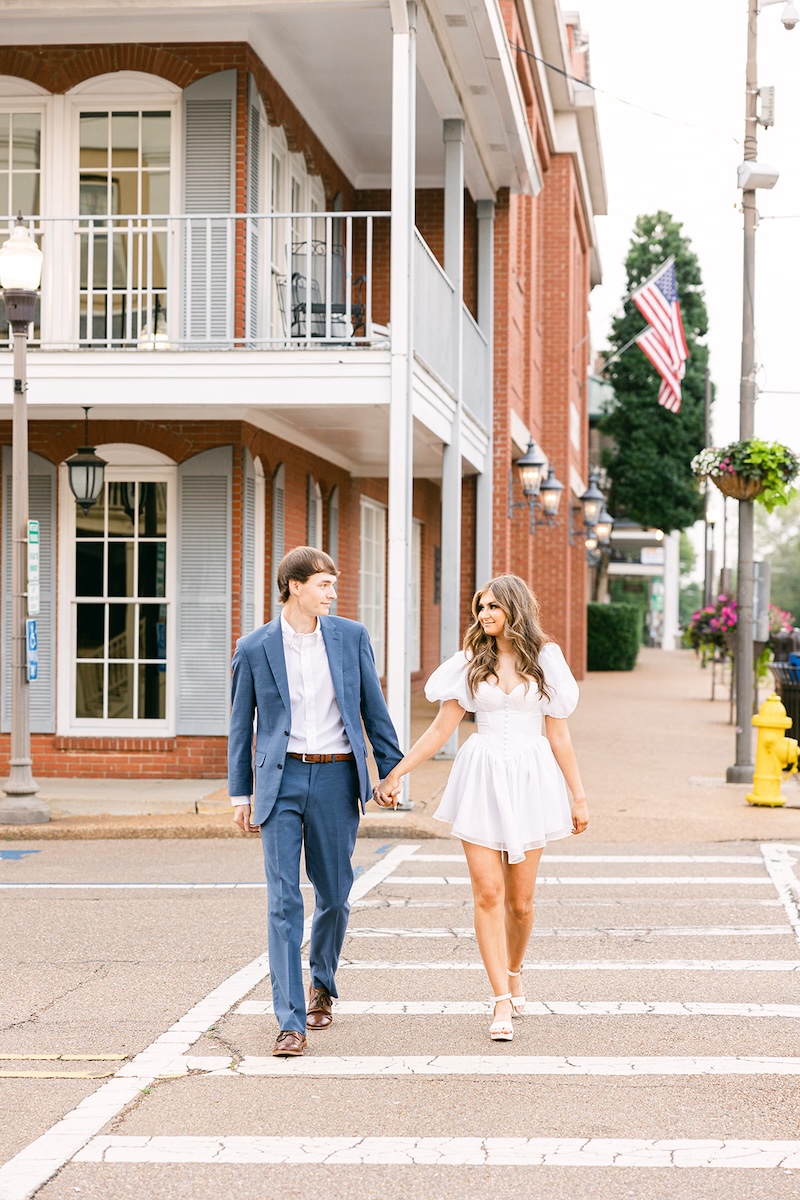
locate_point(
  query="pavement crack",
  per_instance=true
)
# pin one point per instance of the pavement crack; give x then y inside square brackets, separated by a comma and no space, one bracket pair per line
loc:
[98,972]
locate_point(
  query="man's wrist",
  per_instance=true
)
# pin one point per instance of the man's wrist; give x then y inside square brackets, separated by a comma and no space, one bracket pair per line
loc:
[240,801]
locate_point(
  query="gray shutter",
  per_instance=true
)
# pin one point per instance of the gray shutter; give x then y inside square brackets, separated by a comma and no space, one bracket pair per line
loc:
[278,528]
[204,592]
[248,543]
[254,147]
[209,181]
[311,513]
[42,508]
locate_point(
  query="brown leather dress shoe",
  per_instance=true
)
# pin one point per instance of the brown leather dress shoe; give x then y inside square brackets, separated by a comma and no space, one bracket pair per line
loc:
[289,1043]
[319,1011]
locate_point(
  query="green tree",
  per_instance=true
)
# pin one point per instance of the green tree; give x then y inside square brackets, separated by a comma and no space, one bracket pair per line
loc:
[777,536]
[651,481]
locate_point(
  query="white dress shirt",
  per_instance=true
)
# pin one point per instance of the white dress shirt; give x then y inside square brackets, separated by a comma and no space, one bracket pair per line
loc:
[316,726]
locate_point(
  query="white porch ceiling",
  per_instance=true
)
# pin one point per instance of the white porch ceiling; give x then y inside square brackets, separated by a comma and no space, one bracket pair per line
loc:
[334,60]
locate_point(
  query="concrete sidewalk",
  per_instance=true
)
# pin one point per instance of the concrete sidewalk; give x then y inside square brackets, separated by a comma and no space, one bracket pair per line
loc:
[652,745]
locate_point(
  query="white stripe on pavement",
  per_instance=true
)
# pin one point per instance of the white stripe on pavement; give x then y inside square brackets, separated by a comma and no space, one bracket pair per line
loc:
[25,1173]
[351,1065]
[628,964]
[617,858]
[146,887]
[539,1008]
[780,861]
[571,902]
[727,931]
[448,1151]
[602,880]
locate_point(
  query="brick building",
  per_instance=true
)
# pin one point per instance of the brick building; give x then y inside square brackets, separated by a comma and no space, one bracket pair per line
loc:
[319,272]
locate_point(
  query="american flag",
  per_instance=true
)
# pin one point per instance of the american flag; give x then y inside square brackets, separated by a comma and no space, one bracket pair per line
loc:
[663,342]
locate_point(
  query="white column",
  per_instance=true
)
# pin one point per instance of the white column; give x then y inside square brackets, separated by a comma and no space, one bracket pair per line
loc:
[401,464]
[485,485]
[672,585]
[450,610]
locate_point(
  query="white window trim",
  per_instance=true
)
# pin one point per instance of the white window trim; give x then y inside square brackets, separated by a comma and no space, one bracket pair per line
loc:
[378,638]
[415,615]
[120,91]
[151,467]
[260,565]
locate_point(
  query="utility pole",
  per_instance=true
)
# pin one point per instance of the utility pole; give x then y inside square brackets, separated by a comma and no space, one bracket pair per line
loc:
[742,770]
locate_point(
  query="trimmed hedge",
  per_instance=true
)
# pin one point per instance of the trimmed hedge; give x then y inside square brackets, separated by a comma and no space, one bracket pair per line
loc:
[613,636]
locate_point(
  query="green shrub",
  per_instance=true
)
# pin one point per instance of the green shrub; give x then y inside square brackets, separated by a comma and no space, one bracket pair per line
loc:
[613,636]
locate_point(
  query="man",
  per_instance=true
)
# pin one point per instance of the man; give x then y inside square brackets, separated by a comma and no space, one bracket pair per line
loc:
[309,679]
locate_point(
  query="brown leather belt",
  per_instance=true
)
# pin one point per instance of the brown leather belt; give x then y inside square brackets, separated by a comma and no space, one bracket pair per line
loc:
[322,758]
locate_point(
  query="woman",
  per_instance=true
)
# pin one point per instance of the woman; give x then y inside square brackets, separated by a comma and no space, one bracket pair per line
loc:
[507,792]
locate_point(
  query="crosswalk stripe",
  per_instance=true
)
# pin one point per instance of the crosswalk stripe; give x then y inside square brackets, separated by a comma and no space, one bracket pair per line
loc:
[600,880]
[727,931]
[571,902]
[617,858]
[780,862]
[499,1064]
[628,964]
[448,1151]
[540,1008]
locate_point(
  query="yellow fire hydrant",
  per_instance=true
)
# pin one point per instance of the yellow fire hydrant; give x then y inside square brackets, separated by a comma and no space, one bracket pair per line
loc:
[775,753]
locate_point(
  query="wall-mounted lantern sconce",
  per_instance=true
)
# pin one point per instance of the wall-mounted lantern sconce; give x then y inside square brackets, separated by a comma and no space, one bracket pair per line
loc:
[597,522]
[540,487]
[86,472]
[592,501]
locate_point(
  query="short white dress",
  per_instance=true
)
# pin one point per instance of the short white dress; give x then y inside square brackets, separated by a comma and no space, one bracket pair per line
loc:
[506,790]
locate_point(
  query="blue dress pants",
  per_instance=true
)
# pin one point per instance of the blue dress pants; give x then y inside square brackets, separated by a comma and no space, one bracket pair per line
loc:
[316,809]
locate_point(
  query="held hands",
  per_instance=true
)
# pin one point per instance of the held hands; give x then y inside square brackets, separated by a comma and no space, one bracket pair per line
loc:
[387,791]
[241,817]
[580,815]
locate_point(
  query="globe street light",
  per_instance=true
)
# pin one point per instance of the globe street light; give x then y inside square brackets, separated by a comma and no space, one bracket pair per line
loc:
[20,274]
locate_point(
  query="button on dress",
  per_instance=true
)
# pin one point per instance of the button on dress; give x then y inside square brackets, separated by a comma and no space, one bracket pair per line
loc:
[505,789]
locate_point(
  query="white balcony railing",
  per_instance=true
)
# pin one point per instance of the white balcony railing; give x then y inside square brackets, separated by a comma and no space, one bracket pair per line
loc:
[256,281]
[476,375]
[434,314]
[207,281]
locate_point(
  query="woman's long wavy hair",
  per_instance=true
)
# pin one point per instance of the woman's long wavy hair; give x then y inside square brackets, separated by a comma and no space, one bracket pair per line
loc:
[522,628]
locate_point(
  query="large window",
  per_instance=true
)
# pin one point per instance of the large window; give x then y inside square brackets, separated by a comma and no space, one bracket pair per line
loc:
[124,173]
[121,603]
[20,177]
[20,163]
[372,576]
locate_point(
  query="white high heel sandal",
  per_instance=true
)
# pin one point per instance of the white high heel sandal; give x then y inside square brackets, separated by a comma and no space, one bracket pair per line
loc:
[501,1030]
[517,1002]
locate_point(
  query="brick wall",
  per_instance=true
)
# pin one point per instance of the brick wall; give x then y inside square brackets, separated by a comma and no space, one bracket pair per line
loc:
[204,757]
[59,68]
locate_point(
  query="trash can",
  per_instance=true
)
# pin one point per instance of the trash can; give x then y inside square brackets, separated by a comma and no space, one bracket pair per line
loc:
[787,680]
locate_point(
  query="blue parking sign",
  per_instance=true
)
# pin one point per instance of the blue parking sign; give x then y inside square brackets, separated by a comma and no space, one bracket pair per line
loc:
[32,646]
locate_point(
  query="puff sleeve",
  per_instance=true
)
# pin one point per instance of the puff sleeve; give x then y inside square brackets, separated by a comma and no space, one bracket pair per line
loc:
[449,682]
[560,681]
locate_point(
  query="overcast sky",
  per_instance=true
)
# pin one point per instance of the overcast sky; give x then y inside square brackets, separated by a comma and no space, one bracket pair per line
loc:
[685,60]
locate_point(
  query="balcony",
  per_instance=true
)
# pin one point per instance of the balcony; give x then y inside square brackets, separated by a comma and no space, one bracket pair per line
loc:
[208,282]
[160,303]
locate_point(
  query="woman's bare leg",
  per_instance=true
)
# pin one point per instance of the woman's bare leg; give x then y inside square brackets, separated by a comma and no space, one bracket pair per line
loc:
[488,892]
[520,881]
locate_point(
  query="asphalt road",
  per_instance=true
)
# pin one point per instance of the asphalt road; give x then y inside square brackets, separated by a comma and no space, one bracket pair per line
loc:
[660,1058]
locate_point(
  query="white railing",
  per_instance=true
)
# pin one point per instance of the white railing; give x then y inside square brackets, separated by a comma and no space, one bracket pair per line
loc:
[208,281]
[434,314]
[476,374]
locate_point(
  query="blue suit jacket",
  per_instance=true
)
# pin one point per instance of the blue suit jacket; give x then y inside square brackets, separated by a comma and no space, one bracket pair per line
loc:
[261,689]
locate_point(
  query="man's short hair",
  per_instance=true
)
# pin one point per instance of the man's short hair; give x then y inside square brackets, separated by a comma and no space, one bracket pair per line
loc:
[300,564]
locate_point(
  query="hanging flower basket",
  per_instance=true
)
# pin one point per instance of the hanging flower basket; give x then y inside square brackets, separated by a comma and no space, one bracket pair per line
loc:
[738,487]
[751,470]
